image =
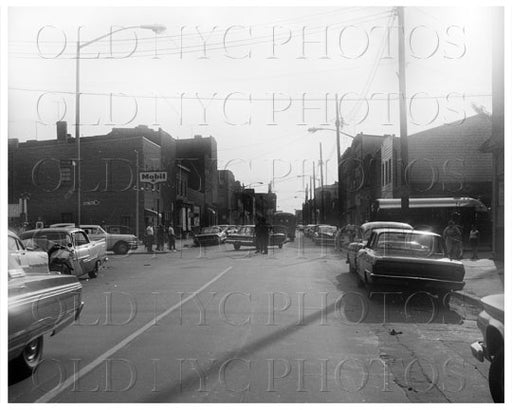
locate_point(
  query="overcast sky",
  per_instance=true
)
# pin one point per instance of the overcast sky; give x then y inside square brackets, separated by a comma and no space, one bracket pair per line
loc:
[254,78]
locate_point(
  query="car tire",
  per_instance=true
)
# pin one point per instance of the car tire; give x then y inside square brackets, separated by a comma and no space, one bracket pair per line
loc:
[496,377]
[236,246]
[31,356]
[280,246]
[121,248]
[94,272]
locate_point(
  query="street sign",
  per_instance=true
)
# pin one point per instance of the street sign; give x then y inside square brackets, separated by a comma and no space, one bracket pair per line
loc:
[91,203]
[153,177]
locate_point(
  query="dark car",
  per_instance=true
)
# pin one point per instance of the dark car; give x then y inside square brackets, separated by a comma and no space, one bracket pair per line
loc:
[408,260]
[362,234]
[491,322]
[39,304]
[246,236]
[325,235]
[211,235]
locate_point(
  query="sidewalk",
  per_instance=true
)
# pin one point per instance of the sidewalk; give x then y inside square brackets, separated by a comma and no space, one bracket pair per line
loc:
[180,244]
[483,277]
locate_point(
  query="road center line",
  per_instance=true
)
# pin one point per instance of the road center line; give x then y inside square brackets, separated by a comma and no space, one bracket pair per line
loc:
[87,369]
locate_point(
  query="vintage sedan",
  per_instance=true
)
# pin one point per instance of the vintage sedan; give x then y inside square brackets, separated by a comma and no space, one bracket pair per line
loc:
[211,235]
[88,256]
[362,234]
[39,304]
[325,235]
[491,322]
[410,261]
[246,236]
[31,261]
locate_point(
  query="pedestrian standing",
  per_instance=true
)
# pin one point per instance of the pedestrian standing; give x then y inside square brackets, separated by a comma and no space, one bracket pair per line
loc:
[160,237]
[453,240]
[258,231]
[474,235]
[172,238]
[150,237]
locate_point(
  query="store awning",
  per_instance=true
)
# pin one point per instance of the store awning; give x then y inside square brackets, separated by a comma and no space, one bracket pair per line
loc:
[152,212]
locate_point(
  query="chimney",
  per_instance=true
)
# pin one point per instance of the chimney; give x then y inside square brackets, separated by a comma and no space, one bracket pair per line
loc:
[197,137]
[62,131]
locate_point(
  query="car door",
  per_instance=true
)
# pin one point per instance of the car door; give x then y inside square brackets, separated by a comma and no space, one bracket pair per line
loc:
[364,258]
[85,262]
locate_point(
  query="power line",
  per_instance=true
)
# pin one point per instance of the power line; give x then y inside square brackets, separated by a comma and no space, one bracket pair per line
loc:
[210,47]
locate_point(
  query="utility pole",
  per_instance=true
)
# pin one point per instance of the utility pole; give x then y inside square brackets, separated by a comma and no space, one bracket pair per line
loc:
[322,209]
[137,193]
[338,163]
[314,195]
[404,147]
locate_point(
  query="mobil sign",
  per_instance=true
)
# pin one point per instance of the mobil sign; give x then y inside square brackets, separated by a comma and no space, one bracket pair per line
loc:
[153,177]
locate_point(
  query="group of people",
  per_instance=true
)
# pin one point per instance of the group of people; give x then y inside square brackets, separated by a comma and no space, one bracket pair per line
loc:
[452,236]
[159,235]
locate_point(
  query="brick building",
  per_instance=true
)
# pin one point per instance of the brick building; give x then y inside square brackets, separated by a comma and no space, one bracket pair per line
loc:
[44,172]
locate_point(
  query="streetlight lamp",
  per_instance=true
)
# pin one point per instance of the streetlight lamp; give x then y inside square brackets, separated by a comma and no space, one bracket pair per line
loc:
[339,125]
[157,29]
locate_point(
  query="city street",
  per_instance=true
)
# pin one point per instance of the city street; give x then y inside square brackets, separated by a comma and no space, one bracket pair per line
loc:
[219,325]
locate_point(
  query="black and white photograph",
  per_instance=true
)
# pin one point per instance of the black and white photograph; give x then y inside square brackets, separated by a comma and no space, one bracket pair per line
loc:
[254,202]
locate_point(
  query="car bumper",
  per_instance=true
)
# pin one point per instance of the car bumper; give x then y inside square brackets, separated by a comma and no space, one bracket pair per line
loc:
[479,351]
[415,281]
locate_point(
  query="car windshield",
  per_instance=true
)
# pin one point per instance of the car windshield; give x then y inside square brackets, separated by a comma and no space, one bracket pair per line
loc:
[407,243]
[44,240]
[211,229]
[327,229]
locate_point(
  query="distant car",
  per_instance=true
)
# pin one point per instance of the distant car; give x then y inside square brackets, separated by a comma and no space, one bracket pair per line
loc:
[491,322]
[119,243]
[363,233]
[88,256]
[246,236]
[410,261]
[30,260]
[211,235]
[39,304]
[325,235]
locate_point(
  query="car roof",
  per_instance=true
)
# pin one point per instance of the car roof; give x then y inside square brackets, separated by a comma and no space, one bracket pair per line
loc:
[385,224]
[61,229]
[410,231]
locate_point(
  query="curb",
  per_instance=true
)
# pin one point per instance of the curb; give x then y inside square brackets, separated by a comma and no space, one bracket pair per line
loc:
[465,297]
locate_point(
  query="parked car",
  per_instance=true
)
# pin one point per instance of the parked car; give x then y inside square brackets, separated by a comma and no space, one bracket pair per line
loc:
[246,236]
[211,235]
[118,229]
[325,235]
[409,260]
[30,260]
[491,323]
[39,304]
[87,256]
[119,243]
[309,230]
[362,234]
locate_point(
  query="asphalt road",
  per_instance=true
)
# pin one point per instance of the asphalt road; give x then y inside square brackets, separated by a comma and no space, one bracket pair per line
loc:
[219,325]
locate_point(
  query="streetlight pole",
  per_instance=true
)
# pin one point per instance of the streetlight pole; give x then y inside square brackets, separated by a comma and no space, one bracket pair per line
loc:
[153,27]
[339,125]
